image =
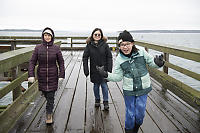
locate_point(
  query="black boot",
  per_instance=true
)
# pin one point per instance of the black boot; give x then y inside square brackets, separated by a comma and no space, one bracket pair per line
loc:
[129,130]
[106,106]
[136,128]
[97,103]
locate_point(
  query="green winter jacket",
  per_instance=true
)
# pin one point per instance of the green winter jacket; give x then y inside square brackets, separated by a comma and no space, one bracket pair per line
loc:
[133,71]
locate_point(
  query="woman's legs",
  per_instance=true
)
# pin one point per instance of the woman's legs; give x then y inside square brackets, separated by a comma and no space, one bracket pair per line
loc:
[49,105]
[104,87]
[96,94]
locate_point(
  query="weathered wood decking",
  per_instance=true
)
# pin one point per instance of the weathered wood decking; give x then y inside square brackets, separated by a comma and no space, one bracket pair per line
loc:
[74,110]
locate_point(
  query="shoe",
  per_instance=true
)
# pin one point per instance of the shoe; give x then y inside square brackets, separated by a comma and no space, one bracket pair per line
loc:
[97,102]
[106,106]
[129,131]
[49,119]
[136,128]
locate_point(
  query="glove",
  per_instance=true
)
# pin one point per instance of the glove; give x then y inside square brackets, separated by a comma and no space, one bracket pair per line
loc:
[159,60]
[101,71]
[31,79]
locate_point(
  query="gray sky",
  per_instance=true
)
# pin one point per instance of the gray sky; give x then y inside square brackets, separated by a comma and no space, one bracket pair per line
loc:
[110,15]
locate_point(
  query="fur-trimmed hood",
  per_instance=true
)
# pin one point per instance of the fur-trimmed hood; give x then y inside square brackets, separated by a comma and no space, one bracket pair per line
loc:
[88,40]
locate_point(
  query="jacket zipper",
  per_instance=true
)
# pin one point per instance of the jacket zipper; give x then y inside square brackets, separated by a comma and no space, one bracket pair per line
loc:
[47,68]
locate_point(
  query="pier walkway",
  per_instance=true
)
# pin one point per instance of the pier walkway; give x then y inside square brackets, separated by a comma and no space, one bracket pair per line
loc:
[74,110]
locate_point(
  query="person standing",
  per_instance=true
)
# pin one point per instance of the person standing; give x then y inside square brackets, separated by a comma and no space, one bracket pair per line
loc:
[48,56]
[130,65]
[99,53]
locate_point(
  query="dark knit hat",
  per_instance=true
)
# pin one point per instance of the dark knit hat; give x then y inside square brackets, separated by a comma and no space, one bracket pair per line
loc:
[125,36]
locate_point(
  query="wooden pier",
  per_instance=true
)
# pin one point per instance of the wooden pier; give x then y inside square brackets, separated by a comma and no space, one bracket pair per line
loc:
[74,110]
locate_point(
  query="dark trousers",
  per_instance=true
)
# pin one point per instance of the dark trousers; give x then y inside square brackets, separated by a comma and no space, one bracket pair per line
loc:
[49,95]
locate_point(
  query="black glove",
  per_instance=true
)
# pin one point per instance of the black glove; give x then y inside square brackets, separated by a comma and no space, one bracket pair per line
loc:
[101,71]
[159,60]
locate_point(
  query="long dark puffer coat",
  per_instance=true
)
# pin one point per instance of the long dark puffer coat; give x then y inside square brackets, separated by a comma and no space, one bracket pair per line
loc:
[100,55]
[47,55]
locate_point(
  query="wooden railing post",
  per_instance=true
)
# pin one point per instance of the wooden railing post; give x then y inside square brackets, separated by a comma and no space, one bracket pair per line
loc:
[71,45]
[17,90]
[13,44]
[166,58]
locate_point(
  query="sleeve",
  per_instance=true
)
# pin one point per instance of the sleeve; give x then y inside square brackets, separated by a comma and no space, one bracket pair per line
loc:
[85,60]
[117,75]
[109,59]
[60,61]
[32,63]
[149,59]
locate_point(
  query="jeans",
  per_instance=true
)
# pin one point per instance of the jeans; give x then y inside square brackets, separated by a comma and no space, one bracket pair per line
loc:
[104,87]
[135,110]
[50,101]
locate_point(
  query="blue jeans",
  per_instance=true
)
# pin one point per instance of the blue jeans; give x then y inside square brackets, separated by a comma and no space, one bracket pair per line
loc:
[104,87]
[135,110]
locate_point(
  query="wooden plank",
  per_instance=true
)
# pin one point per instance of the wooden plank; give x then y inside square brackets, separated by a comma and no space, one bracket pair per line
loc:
[94,122]
[77,117]
[117,98]
[173,115]
[149,126]
[177,104]
[165,125]
[63,107]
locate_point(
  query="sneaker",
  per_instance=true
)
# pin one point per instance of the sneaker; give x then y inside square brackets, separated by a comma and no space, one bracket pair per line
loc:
[106,105]
[97,102]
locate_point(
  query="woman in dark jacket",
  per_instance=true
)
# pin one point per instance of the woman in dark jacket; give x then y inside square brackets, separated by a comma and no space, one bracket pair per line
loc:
[100,55]
[48,56]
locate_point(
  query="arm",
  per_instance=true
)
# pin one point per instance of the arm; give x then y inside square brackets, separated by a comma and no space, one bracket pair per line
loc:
[109,59]
[60,61]
[149,59]
[117,75]
[85,61]
[32,63]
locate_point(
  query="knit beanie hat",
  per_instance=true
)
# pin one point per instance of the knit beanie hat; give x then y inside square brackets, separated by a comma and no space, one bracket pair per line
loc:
[125,36]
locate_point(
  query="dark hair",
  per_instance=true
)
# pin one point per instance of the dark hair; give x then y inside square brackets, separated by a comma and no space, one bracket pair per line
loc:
[96,29]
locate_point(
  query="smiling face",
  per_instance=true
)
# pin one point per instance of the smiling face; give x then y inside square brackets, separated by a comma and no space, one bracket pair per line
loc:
[97,35]
[126,47]
[47,37]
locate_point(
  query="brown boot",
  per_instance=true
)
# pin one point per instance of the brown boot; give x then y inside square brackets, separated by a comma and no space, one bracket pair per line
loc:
[49,119]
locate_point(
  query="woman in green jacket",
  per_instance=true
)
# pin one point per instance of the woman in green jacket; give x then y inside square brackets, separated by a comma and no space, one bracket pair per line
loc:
[130,65]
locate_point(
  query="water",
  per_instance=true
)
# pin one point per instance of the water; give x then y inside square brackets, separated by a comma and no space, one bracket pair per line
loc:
[190,40]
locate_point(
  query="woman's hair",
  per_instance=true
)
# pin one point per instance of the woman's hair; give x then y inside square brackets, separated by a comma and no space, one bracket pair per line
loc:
[96,29]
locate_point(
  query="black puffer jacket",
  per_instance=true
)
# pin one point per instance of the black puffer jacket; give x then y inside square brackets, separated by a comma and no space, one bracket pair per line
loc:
[100,55]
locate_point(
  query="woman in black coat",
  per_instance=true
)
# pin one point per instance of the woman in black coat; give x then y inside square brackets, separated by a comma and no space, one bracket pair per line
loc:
[48,56]
[99,53]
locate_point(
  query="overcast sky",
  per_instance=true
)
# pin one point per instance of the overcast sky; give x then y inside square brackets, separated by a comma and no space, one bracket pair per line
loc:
[110,15]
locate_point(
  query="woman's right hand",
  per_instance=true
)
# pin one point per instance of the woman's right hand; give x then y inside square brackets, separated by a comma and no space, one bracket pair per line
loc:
[31,79]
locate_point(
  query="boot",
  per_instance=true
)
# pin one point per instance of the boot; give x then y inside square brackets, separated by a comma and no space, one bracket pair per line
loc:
[106,106]
[49,119]
[136,128]
[97,103]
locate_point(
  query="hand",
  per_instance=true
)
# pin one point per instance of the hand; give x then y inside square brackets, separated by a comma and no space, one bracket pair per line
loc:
[60,80]
[159,60]
[101,71]
[31,79]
